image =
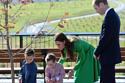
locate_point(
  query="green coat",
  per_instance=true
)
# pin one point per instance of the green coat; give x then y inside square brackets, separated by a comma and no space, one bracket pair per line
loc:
[86,69]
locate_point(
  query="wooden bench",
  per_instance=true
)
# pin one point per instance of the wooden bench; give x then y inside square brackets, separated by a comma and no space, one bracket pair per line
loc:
[121,69]
[18,57]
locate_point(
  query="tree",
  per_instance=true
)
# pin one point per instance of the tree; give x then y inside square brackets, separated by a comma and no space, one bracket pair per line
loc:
[6,26]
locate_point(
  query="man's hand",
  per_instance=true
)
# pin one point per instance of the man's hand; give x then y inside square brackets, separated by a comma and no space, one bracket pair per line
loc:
[96,57]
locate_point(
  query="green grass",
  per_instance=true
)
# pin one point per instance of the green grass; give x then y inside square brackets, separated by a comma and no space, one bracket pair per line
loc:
[82,25]
[90,24]
[37,12]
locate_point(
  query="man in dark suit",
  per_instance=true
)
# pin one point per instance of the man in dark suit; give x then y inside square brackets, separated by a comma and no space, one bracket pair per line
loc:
[108,49]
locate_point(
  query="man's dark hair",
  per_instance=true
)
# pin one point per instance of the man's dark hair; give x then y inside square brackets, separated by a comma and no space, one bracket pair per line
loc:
[97,2]
[29,52]
[50,57]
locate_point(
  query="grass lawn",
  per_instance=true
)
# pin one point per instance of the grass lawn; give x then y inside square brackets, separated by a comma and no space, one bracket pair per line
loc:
[90,24]
[37,12]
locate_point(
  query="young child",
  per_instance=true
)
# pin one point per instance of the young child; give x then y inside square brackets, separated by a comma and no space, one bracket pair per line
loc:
[54,72]
[29,69]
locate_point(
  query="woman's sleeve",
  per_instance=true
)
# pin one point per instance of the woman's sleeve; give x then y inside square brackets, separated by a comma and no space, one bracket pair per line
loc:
[80,61]
[63,58]
[81,48]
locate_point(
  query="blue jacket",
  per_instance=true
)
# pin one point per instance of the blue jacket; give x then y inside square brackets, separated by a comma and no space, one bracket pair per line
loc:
[28,72]
[108,47]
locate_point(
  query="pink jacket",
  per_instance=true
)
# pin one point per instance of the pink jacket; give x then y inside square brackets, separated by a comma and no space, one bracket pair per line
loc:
[56,74]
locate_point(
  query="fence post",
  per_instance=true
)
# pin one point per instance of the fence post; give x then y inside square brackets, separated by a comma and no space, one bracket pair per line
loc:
[21,41]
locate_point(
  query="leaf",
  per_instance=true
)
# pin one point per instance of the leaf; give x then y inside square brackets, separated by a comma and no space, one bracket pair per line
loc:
[66,14]
[11,25]
[61,25]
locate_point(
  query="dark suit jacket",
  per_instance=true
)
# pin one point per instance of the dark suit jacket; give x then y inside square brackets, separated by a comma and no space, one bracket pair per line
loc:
[108,47]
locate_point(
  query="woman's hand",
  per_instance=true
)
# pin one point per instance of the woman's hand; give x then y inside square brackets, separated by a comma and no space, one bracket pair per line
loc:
[70,74]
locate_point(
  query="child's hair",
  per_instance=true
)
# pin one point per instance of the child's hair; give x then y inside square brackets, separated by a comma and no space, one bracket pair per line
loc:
[50,57]
[29,52]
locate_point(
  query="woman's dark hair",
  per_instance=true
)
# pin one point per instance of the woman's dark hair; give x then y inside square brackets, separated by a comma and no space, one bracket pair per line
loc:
[97,2]
[68,45]
[29,52]
[50,57]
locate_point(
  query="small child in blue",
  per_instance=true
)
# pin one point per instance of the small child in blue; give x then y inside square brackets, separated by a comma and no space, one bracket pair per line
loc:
[29,69]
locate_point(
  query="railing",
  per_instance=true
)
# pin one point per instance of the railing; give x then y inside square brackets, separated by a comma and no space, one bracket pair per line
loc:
[47,41]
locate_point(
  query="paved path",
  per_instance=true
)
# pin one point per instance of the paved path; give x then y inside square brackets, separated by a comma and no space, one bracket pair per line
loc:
[65,81]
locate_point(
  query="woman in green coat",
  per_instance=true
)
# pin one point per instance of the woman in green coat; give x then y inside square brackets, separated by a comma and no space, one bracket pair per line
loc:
[86,69]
